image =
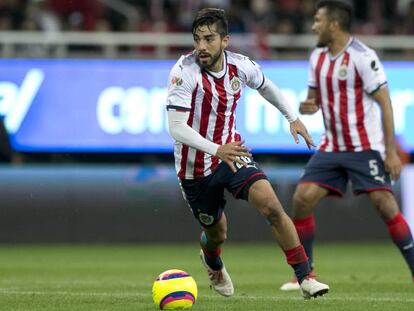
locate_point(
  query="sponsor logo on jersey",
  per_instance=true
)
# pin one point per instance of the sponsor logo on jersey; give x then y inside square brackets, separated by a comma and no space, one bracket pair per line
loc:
[374,65]
[176,81]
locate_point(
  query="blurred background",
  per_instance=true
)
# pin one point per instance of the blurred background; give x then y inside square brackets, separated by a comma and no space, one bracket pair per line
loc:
[86,156]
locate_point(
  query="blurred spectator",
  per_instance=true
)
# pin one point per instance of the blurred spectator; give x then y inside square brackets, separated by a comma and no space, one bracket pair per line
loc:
[78,14]
[307,10]
[246,16]
[289,17]
[408,19]
[41,13]
[261,12]
[11,14]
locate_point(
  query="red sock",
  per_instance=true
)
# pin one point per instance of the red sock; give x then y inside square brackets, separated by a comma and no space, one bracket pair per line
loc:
[403,239]
[296,257]
[306,231]
[398,228]
[212,257]
[305,227]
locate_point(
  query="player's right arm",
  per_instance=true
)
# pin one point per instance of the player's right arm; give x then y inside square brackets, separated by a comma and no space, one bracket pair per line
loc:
[310,105]
[182,132]
[180,88]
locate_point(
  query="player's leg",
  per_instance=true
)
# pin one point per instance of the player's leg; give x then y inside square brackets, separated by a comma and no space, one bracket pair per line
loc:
[211,239]
[322,176]
[367,173]
[262,197]
[387,207]
[305,199]
[206,200]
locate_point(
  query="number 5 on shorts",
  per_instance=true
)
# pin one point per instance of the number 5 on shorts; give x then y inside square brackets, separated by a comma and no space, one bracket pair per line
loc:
[373,165]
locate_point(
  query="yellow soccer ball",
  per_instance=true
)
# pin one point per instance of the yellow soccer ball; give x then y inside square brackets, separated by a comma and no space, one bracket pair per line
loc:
[174,289]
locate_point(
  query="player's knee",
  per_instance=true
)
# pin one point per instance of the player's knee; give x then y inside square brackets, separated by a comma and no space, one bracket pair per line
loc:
[302,200]
[272,210]
[218,238]
[385,204]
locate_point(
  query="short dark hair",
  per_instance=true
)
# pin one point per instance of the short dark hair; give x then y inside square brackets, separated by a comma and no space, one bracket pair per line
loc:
[339,10]
[210,16]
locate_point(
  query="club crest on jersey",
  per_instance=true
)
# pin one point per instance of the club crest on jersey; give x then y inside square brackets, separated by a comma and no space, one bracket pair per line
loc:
[206,219]
[343,72]
[235,84]
[176,81]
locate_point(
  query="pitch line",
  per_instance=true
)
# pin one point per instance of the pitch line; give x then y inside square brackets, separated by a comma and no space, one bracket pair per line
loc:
[6,291]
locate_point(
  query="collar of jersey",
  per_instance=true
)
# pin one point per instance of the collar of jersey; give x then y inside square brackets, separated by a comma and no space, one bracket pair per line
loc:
[225,69]
[343,50]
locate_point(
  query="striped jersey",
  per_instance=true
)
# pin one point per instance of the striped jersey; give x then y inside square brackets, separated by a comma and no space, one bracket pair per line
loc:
[344,86]
[211,98]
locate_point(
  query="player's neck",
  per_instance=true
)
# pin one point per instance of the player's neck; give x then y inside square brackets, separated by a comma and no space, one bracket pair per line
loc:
[218,66]
[339,44]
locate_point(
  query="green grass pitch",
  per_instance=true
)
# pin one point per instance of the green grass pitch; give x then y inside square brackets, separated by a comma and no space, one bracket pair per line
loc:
[119,277]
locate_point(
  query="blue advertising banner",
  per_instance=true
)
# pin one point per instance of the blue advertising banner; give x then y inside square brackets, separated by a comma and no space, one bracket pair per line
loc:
[118,105]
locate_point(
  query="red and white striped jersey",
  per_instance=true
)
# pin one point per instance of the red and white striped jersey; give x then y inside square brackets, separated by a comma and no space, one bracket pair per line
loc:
[344,86]
[211,99]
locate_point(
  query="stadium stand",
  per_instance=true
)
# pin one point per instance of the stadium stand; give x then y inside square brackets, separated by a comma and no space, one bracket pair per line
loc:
[125,28]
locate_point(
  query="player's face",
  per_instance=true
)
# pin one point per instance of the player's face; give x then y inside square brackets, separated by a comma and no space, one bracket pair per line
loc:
[209,47]
[321,26]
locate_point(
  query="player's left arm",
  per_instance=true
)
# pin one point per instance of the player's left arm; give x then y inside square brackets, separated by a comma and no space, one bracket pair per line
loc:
[392,161]
[273,95]
[256,80]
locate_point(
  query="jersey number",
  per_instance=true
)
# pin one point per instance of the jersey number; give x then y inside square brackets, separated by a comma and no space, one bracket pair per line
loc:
[373,165]
[247,160]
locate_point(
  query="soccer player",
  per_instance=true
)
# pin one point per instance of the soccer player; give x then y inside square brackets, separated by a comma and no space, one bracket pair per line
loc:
[210,156]
[346,82]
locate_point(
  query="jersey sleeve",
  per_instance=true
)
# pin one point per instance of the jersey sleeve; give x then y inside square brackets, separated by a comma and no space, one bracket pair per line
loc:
[254,74]
[312,83]
[371,71]
[180,88]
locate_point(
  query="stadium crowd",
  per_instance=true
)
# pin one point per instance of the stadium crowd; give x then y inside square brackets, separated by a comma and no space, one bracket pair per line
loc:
[268,16]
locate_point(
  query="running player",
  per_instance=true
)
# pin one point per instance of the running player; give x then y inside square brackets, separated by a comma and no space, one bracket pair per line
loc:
[346,82]
[210,156]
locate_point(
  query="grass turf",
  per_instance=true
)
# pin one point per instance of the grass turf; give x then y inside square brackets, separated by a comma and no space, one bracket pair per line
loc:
[119,277]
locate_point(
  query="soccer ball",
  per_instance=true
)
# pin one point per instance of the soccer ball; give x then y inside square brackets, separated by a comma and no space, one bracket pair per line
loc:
[174,289]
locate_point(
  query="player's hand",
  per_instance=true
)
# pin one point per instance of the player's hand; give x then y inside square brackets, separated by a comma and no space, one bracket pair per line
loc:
[297,127]
[232,152]
[308,106]
[392,164]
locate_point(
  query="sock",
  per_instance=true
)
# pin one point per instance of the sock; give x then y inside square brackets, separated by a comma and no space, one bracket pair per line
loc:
[211,254]
[306,231]
[403,239]
[296,257]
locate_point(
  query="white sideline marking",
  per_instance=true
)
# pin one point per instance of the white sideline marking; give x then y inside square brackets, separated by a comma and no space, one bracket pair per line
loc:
[6,291]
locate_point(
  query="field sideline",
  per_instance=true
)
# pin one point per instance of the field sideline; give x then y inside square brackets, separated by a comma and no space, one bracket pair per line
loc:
[119,277]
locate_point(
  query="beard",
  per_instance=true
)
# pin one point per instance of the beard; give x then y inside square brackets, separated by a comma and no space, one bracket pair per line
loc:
[323,41]
[209,62]
[320,44]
